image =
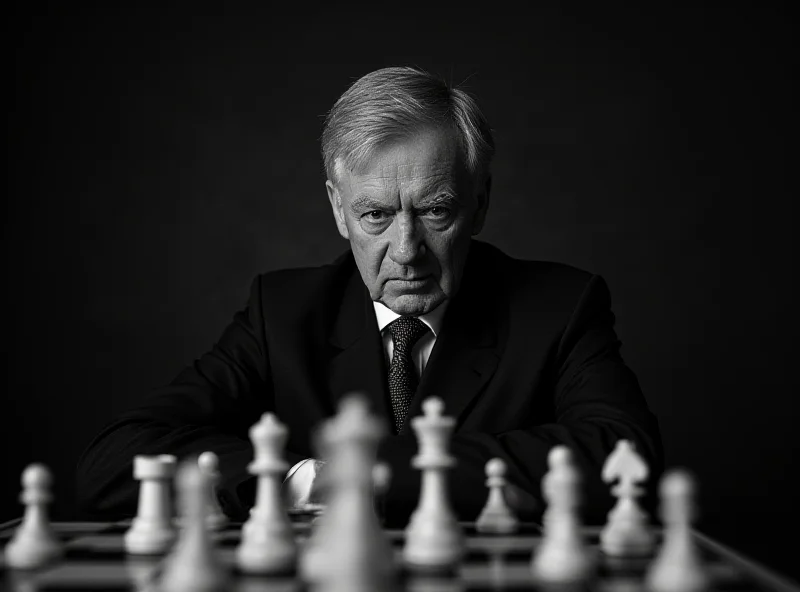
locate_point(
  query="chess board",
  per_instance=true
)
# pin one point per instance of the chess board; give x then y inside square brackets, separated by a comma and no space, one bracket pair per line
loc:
[95,559]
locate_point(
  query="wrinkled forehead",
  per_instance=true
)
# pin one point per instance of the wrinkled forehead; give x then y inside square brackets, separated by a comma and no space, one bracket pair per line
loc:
[433,154]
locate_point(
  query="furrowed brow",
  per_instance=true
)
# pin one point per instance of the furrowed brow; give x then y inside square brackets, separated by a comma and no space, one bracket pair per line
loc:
[438,188]
[443,197]
[362,203]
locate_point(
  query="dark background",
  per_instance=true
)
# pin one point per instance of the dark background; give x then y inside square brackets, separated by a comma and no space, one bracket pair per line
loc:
[159,159]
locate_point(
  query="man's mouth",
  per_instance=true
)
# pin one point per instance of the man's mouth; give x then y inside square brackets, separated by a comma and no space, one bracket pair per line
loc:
[413,281]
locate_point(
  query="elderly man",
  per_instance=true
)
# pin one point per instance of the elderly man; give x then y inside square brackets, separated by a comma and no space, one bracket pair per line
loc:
[523,353]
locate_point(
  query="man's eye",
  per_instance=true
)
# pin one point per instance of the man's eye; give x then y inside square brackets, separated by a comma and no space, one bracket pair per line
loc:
[439,211]
[375,215]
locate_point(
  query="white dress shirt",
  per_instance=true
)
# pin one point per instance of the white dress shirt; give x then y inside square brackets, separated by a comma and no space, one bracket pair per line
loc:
[423,348]
[300,478]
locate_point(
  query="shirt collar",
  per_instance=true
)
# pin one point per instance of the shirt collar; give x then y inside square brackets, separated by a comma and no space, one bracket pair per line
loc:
[433,319]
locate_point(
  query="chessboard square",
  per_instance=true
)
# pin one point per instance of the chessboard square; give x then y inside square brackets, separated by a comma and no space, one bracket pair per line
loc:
[508,543]
[227,538]
[97,544]
[95,576]
[623,567]
[71,528]
[263,584]
[497,577]
[481,557]
[523,528]
[395,536]
[227,555]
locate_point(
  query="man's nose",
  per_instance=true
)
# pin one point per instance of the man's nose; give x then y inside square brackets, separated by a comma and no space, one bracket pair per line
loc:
[407,245]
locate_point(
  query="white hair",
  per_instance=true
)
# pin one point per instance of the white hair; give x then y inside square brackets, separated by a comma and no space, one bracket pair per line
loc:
[396,102]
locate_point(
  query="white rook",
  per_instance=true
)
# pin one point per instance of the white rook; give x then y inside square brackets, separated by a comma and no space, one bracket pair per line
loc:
[152,531]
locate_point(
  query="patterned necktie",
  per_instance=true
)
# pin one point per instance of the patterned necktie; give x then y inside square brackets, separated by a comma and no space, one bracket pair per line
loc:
[405,331]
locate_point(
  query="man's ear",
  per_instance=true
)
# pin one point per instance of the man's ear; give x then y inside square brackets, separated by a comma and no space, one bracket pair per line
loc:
[483,206]
[338,210]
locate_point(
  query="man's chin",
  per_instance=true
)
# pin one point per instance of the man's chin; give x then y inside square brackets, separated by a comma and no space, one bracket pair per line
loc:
[413,304]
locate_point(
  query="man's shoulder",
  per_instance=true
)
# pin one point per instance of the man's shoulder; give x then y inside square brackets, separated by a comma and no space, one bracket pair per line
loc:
[524,274]
[343,265]
[299,280]
[529,288]
[294,290]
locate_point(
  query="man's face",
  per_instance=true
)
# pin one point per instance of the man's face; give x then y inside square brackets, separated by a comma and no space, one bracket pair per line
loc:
[409,215]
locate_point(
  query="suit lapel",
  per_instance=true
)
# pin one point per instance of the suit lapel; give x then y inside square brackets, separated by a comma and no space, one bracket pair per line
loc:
[467,351]
[357,361]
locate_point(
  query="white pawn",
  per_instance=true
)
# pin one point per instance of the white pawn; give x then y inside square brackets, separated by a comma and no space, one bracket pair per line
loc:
[381,481]
[434,539]
[152,531]
[193,565]
[626,534]
[562,555]
[209,465]
[268,546]
[381,478]
[496,516]
[556,456]
[677,567]
[34,543]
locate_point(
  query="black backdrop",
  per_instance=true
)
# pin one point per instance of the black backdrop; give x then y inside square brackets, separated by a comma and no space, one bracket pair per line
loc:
[159,159]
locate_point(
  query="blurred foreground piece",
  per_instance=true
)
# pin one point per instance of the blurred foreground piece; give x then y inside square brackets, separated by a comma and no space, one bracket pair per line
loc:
[562,556]
[627,532]
[34,544]
[496,516]
[381,481]
[677,567]
[193,565]
[209,465]
[348,550]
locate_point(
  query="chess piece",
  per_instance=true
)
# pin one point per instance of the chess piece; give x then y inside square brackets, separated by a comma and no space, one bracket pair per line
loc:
[381,480]
[678,566]
[193,565]
[34,543]
[496,516]
[209,465]
[626,533]
[381,477]
[152,532]
[268,546]
[562,556]
[434,539]
[348,550]
[557,454]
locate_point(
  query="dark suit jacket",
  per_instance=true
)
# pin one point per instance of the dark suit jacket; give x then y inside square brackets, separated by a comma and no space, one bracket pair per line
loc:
[527,358]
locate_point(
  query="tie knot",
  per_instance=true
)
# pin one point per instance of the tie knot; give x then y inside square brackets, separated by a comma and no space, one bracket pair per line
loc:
[406,331]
